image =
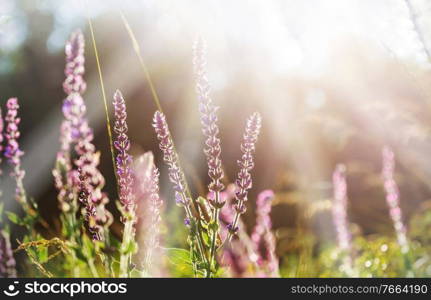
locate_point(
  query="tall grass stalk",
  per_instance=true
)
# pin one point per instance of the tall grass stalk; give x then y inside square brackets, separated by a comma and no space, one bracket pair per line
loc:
[136,48]
[106,259]
[102,87]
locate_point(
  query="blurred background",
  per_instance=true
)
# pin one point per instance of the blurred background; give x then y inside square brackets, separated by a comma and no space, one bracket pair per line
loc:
[334,81]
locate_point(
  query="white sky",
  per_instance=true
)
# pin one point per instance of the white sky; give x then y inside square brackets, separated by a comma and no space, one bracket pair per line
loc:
[297,35]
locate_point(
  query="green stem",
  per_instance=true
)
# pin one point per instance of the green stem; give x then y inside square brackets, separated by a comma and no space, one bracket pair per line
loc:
[214,234]
[198,233]
[125,253]
[106,259]
[71,222]
[234,224]
[93,268]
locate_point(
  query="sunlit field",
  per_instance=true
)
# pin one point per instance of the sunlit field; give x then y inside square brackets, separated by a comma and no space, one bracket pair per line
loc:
[215,138]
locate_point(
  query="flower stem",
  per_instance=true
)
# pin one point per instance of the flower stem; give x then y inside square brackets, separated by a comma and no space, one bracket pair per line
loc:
[201,246]
[93,269]
[125,251]
[216,214]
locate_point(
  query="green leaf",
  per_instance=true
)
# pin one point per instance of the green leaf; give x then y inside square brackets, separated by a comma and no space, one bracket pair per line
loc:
[181,261]
[13,217]
[178,256]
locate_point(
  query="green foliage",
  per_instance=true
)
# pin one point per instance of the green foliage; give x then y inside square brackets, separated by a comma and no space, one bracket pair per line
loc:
[14,218]
[180,262]
[380,257]
[75,254]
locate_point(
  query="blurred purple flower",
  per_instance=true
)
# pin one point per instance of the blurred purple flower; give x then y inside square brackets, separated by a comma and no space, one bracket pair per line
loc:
[12,151]
[75,60]
[153,239]
[235,258]
[392,197]
[78,136]
[150,203]
[7,261]
[74,111]
[262,236]
[339,208]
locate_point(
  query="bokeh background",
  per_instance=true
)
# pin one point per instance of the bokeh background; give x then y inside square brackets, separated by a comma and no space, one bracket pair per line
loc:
[334,81]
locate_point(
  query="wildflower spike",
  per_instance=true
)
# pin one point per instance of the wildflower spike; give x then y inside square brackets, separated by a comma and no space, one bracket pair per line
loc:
[246,164]
[76,135]
[124,160]
[210,127]
[170,157]
[7,261]
[393,197]
[12,151]
[262,236]
[339,208]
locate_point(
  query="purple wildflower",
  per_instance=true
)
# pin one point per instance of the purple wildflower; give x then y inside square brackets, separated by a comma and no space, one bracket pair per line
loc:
[63,176]
[210,128]
[84,197]
[74,126]
[73,110]
[234,257]
[77,135]
[75,60]
[170,157]
[246,164]
[12,151]
[339,208]
[262,237]
[124,160]
[242,253]
[7,261]
[94,181]
[392,197]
